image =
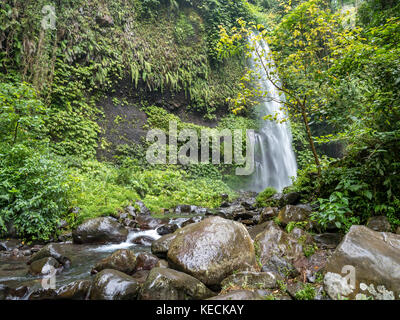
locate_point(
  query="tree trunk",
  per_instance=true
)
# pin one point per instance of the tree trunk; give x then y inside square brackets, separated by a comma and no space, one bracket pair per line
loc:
[310,140]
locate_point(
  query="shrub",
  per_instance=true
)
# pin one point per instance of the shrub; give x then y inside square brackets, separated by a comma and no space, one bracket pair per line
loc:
[264,195]
[34,190]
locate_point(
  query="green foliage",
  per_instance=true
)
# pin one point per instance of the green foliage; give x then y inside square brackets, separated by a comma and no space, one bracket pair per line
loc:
[335,211]
[263,196]
[307,293]
[22,114]
[34,189]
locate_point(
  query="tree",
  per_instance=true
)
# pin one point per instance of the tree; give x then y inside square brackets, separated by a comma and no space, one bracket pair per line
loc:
[304,44]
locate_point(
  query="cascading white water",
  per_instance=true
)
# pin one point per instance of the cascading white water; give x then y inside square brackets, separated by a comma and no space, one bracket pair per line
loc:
[275,162]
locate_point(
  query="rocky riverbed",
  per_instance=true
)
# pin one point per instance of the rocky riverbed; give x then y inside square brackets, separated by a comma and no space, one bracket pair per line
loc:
[237,251]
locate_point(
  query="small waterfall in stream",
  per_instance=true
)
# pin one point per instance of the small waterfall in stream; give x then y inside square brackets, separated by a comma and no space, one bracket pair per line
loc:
[275,162]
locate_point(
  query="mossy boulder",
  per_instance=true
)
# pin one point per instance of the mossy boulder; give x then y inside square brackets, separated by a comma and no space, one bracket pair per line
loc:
[169,284]
[212,249]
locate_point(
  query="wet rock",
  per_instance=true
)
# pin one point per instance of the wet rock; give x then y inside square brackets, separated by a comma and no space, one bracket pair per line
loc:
[9,245]
[379,223]
[146,261]
[212,249]
[53,250]
[141,276]
[43,294]
[166,229]
[268,213]
[238,295]
[100,231]
[141,208]
[291,213]
[274,241]
[398,230]
[44,266]
[374,258]
[113,285]
[291,198]
[327,240]
[249,203]
[161,246]
[18,293]
[77,290]
[234,210]
[162,264]
[169,284]
[183,209]
[123,260]
[247,222]
[251,280]
[4,290]
[190,221]
[149,223]
[255,230]
[131,212]
[280,266]
[143,240]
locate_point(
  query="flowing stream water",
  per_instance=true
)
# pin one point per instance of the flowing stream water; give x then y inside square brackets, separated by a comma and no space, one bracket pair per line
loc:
[275,162]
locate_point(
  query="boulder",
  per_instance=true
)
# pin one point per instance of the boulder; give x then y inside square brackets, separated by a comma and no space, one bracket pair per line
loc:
[166,229]
[141,208]
[169,284]
[43,294]
[268,213]
[379,223]
[100,231]
[273,241]
[143,240]
[372,259]
[161,246]
[53,250]
[145,261]
[162,264]
[280,266]
[251,280]
[291,213]
[327,240]
[123,260]
[77,290]
[149,223]
[238,295]
[212,249]
[141,276]
[114,285]
[44,266]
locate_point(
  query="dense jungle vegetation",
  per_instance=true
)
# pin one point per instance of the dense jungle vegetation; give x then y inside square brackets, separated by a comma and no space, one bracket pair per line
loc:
[63,157]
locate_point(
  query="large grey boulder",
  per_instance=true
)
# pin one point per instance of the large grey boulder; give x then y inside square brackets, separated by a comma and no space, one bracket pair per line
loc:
[372,259]
[114,285]
[169,284]
[212,249]
[77,290]
[123,260]
[292,213]
[53,250]
[275,242]
[100,231]
[161,246]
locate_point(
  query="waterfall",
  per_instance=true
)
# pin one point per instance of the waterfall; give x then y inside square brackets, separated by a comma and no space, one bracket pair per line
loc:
[275,162]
